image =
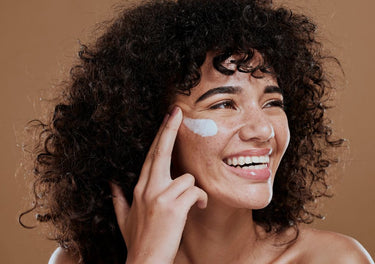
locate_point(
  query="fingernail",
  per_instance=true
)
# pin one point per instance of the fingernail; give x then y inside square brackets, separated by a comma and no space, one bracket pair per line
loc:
[175,110]
[166,117]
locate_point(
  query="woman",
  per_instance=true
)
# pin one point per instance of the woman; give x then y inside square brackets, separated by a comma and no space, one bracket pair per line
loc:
[193,132]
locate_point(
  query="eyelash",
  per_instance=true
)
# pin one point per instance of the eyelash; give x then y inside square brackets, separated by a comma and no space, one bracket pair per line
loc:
[276,103]
[229,104]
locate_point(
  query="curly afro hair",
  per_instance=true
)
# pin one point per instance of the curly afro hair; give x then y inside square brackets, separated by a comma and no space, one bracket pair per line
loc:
[122,86]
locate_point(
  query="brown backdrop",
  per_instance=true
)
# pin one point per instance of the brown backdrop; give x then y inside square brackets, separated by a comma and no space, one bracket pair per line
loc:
[39,42]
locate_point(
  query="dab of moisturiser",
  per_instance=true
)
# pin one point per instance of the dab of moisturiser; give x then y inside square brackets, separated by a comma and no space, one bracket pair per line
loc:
[202,127]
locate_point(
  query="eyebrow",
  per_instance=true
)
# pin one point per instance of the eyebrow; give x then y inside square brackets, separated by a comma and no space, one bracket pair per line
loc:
[235,90]
[273,89]
[219,90]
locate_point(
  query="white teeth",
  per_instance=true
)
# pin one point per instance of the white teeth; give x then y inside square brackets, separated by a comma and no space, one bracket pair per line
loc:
[256,159]
[261,166]
[254,167]
[248,160]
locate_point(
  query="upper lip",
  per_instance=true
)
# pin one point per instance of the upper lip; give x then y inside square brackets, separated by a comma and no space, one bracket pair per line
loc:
[251,152]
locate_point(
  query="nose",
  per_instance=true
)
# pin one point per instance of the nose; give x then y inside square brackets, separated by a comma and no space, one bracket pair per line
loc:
[257,127]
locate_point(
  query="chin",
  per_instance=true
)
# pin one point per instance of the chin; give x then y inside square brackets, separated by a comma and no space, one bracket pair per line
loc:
[253,198]
[259,202]
[259,196]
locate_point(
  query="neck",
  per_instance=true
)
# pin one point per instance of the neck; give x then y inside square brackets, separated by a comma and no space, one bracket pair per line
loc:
[219,234]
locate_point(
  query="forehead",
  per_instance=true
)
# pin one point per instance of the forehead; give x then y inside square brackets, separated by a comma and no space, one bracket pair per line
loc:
[211,77]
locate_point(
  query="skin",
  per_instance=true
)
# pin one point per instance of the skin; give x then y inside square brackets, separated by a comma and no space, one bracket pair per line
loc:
[246,119]
[201,212]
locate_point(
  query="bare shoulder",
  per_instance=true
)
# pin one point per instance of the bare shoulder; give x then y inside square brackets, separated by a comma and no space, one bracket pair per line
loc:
[321,246]
[61,256]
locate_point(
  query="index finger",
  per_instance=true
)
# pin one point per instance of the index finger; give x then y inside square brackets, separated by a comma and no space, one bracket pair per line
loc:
[155,150]
[148,160]
[162,154]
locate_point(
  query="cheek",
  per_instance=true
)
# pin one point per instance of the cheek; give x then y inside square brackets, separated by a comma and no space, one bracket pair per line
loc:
[282,133]
[201,127]
[194,151]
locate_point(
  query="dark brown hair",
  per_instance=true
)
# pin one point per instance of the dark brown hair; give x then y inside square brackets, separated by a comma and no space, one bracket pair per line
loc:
[120,90]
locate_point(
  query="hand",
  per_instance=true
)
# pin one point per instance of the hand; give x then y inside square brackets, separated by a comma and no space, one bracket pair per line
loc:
[153,226]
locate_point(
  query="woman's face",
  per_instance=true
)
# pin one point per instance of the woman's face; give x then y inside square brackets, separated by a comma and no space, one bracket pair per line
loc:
[233,136]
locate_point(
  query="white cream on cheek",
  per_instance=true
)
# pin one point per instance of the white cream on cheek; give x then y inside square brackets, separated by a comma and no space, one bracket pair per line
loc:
[202,127]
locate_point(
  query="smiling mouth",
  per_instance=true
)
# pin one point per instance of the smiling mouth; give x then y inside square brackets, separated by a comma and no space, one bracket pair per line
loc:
[248,162]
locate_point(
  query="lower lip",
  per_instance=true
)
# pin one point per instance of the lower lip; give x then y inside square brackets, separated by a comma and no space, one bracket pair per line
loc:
[251,174]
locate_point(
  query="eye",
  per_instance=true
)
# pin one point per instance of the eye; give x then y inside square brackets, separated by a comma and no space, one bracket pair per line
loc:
[275,103]
[228,104]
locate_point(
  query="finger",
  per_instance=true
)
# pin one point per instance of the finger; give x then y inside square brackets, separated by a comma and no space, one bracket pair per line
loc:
[157,136]
[120,204]
[145,172]
[160,168]
[193,195]
[178,187]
